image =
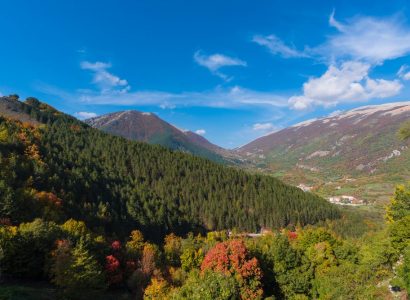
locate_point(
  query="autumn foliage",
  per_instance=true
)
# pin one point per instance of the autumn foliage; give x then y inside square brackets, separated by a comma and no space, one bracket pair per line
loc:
[232,258]
[113,269]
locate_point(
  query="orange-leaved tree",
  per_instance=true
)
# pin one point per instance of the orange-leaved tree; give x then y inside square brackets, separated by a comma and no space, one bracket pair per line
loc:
[232,258]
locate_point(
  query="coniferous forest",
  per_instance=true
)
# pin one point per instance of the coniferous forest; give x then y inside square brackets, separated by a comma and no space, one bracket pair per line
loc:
[86,214]
[116,184]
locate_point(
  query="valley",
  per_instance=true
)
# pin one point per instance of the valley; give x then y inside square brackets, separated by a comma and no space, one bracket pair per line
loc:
[204,150]
[354,153]
[105,212]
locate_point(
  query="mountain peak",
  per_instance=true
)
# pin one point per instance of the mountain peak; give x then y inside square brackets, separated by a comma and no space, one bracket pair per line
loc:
[148,127]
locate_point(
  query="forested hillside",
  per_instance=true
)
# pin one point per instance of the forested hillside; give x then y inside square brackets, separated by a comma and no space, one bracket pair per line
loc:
[85,214]
[76,171]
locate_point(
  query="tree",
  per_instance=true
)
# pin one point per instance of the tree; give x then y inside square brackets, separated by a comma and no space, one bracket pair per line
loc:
[75,229]
[61,262]
[135,245]
[147,268]
[14,97]
[33,102]
[158,289]
[208,286]
[346,281]
[113,270]
[400,233]
[233,258]
[399,206]
[26,252]
[405,270]
[4,135]
[50,205]
[172,249]
[191,258]
[76,270]
[404,131]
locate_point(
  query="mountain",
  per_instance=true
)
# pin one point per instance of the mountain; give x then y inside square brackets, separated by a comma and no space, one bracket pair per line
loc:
[57,167]
[148,127]
[355,152]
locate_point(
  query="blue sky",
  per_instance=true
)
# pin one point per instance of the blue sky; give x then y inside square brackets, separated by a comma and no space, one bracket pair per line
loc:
[231,70]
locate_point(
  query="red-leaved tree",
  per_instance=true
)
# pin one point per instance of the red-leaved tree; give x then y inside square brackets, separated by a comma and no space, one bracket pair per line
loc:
[113,269]
[233,259]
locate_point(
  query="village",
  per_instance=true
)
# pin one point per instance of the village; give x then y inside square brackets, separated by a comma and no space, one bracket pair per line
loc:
[346,200]
[340,200]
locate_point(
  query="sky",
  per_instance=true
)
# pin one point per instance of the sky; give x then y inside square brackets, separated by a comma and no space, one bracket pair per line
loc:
[230,70]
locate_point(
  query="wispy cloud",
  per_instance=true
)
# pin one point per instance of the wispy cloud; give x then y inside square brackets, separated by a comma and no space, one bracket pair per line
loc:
[82,115]
[403,72]
[105,80]
[349,82]
[233,97]
[358,45]
[217,61]
[200,131]
[264,127]
[108,93]
[369,39]
[219,97]
[277,47]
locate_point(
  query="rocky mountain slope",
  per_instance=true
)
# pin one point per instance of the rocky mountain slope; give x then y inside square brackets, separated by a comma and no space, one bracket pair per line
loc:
[353,152]
[148,127]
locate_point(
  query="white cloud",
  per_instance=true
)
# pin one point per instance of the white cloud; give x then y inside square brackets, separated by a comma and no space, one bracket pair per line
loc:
[334,23]
[82,115]
[277,47]
[366,38]
[200,131]
[347,83]
[358,45]
[233,97]
[167,106]
[263,127]
[217,61]
[403,73]
[105,80]
[219,97]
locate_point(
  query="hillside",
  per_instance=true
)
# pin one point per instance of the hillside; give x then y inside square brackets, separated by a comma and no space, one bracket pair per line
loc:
[148,127]
[354,152]
[108,181]
[84,214]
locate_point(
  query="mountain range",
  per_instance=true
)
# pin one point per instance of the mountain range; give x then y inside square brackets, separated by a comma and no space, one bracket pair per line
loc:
[355,152]
[148,127]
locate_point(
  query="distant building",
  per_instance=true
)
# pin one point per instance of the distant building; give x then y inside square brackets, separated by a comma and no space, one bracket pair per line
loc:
[305,188]
[345,200]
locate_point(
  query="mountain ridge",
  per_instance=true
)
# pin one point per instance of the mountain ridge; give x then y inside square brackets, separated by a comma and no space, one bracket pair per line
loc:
[358,144]
[148,127]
